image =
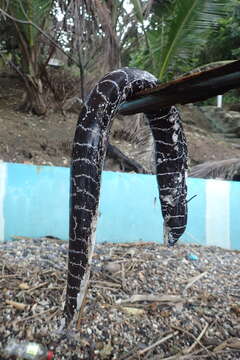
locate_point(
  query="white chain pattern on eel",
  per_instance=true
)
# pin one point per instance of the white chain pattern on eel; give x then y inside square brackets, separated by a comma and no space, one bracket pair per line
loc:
[89,150]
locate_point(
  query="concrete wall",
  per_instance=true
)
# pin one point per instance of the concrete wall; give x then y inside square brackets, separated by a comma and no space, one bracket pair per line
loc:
[34,202]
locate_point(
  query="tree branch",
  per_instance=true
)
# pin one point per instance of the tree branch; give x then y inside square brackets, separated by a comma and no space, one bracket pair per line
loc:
[29,22]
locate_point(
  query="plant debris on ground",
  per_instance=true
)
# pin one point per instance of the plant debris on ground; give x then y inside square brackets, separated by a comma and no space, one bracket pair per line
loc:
[144,301]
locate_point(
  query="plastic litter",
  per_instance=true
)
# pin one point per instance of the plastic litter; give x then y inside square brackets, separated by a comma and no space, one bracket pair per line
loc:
[192,257]
[26,350]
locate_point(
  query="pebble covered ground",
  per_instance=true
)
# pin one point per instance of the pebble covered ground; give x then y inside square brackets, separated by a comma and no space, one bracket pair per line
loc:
[145,301]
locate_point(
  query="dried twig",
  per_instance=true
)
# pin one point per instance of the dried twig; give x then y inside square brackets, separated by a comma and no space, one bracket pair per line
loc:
[133,244]
[194,279]
[103,284]
[162,340]
[197,341]
[180,356]
[36,315]
[9,276]
[37,287]
[123,276]
[231,343]
[152,298]
[152,346]
[17,305]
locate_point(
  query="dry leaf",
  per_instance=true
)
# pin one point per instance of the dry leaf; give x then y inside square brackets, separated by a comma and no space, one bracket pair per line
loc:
[17,305]
[194,279]
[133,311]
[236,309]
[141,276]
[106,351]
[165,314]
[154,298]
[233,343]
[24,286]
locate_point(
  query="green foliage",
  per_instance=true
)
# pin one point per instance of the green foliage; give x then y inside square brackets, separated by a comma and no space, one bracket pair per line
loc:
[185,28]
[176,34]
[162,8]
[224,43]
[28,16]
[35,11]
[230,97]
[138,10]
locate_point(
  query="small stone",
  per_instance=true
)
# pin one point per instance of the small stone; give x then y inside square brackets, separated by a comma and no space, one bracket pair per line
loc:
[112,267]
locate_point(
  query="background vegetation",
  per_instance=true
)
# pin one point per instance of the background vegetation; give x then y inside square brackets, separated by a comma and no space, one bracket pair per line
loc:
[61,47]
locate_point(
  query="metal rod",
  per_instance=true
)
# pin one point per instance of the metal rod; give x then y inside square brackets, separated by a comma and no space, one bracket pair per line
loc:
[193,88]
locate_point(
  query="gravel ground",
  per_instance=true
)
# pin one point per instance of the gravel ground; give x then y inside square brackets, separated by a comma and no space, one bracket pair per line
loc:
[144,301]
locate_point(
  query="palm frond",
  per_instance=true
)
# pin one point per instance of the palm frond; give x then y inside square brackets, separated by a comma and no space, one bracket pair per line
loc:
[188,21]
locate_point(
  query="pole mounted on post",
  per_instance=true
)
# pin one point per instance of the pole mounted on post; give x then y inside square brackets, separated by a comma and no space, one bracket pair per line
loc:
[188,89]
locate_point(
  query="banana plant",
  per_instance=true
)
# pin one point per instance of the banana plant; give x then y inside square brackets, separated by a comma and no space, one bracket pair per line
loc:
[29,17]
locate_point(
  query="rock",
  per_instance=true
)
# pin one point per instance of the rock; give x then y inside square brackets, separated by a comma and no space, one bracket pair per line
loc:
[112,267]
[194,115]
[221,120]
[233,107]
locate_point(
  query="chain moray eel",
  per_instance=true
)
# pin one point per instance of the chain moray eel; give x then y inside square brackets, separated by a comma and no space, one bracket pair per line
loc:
[89,149]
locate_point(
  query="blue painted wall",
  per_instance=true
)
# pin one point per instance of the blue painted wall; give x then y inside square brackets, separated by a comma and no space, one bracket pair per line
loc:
[34,202]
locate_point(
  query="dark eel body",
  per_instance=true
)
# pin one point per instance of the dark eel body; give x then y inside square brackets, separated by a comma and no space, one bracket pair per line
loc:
[89,149]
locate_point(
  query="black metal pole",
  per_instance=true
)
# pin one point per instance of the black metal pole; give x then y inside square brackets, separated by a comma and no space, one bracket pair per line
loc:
[193,88]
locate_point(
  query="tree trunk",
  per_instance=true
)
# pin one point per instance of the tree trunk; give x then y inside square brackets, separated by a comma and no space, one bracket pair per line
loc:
[33,99]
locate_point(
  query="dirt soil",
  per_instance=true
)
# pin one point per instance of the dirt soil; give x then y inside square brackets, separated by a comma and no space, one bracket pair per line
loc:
[27,138]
